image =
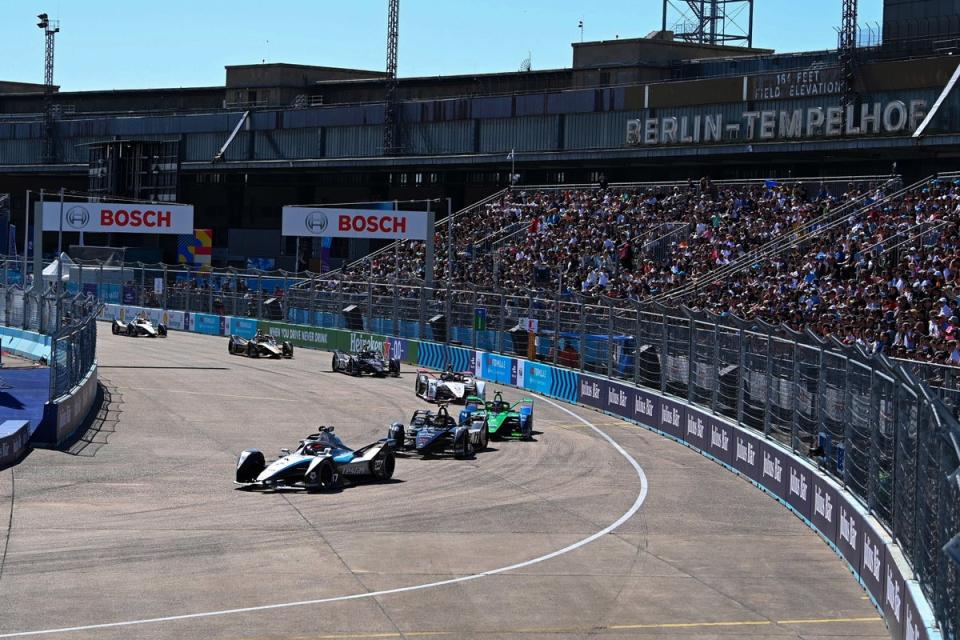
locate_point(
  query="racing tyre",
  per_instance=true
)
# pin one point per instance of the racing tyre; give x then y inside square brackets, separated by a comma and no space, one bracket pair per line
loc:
[252,351]
[484,437]
[322,478]
[230,347]
[114,328]
[249,465]
[420,386]
[461,445]
[383,465]
[131,330]
[528,434]
[334,366]
[162,330]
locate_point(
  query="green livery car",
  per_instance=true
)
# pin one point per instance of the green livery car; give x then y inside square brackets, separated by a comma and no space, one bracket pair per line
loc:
[502,419]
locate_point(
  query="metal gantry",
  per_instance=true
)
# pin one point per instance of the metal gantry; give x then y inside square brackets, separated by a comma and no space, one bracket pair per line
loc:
[847,52]
[50,29]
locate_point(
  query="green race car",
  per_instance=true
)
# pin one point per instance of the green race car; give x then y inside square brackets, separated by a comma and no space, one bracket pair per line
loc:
[502,419]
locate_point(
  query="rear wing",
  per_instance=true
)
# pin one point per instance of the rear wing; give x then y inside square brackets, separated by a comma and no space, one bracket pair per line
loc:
[525,405]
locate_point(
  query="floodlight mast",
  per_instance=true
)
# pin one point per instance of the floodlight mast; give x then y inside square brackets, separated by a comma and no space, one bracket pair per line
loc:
[50,29]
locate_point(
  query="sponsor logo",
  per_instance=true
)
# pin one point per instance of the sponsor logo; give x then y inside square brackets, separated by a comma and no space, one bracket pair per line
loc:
[643,405]
[798,484]
[135,218]
[617,397]
[893,594]
[77,217]
[695,426]
[745,451]
[371,223]
[669,415]
[822,504]
[848,528]
[316,222]
[912,632]
[358,340]
[719,438]
[772,467]
[590,389]
[871,557]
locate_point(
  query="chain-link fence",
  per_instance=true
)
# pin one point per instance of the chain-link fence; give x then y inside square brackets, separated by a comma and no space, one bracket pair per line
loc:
[73,348]
[885,429]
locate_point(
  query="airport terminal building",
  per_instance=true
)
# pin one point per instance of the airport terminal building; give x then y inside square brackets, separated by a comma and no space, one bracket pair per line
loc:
[637,109]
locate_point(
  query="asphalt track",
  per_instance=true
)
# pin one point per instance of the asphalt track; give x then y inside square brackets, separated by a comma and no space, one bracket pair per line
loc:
[139,523]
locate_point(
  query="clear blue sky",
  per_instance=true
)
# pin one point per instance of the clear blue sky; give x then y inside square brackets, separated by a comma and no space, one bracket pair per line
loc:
[114,44]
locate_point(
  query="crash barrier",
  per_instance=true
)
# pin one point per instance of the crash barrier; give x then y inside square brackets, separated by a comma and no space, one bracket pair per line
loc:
[65,414]
[14,439]
[26,344]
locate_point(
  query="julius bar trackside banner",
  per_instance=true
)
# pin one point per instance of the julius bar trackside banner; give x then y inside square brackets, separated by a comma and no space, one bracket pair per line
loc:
[119,217]
[354,223]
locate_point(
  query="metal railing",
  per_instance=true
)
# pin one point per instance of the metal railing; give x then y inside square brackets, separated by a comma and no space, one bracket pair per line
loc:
[73,348]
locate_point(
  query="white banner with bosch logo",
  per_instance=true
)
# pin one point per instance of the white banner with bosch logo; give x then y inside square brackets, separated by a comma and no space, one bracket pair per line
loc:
[354,223]
[119,217]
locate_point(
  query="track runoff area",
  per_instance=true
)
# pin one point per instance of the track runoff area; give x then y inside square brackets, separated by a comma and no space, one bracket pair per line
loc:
[595,529]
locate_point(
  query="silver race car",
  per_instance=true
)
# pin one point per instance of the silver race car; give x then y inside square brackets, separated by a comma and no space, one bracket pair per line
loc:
[449,386]
[321,462]
[139,326]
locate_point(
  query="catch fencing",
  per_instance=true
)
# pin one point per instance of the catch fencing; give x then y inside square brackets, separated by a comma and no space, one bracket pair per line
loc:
[884,429]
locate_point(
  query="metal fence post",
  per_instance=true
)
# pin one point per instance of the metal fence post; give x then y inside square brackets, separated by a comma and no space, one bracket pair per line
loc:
[312,311]
[715,395]
[663,353]
[583,334]
[369,313]
[769,377]
[501,313]
[473,320]
[556,330]
[396,309]
[422,324]
[742,358]
[259,296]
[691,327]
[163,290]
[610,348]
[795,399]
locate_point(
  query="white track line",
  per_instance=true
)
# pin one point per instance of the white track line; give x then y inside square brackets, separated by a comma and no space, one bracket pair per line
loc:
[386,592]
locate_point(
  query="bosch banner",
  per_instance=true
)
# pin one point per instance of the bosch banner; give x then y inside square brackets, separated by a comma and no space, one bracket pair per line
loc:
[119,217]
[354,223]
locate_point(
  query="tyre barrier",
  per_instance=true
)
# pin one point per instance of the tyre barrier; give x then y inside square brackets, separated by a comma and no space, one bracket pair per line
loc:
[874,559]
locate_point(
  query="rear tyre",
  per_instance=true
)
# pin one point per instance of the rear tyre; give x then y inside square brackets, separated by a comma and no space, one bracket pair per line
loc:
[383,466]
[484,437]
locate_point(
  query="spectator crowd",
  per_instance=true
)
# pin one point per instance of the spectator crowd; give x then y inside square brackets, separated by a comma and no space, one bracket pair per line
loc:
[853,264]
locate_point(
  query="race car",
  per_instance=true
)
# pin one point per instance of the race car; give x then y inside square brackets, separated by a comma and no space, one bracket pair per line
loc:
[366,360]
[499,418]
[139,326]
[432,433]
[449,386]
[321,462]
[260,345]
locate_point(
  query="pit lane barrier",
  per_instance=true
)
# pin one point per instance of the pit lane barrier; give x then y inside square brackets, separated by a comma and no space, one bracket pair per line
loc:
[875,560]
[14,441]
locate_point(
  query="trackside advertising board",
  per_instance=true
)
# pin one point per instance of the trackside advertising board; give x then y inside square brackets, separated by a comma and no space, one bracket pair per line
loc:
[307,337]
[354,223]
[119,217]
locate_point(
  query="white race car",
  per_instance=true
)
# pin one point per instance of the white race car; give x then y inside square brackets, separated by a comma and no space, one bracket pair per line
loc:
[449,386]
[139,326]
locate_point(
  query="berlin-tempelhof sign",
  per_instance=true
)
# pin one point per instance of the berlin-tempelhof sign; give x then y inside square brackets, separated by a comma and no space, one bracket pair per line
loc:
[874,118]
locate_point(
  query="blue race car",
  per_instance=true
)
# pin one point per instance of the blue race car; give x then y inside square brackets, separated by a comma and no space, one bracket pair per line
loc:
[320,462]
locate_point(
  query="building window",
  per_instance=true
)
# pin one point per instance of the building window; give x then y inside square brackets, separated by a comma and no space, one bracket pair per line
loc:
[418,179]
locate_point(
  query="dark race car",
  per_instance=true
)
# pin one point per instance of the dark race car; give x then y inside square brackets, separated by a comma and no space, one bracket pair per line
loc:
[366,360]
[139,327]
[261,345]
[431,433]
[320,462]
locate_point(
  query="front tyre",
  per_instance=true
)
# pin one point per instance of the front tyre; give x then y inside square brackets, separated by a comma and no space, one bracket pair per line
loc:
[336,364]
[115,328]
[252,351]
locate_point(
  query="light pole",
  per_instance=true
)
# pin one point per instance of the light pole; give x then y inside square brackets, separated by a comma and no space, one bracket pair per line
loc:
[26,239]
